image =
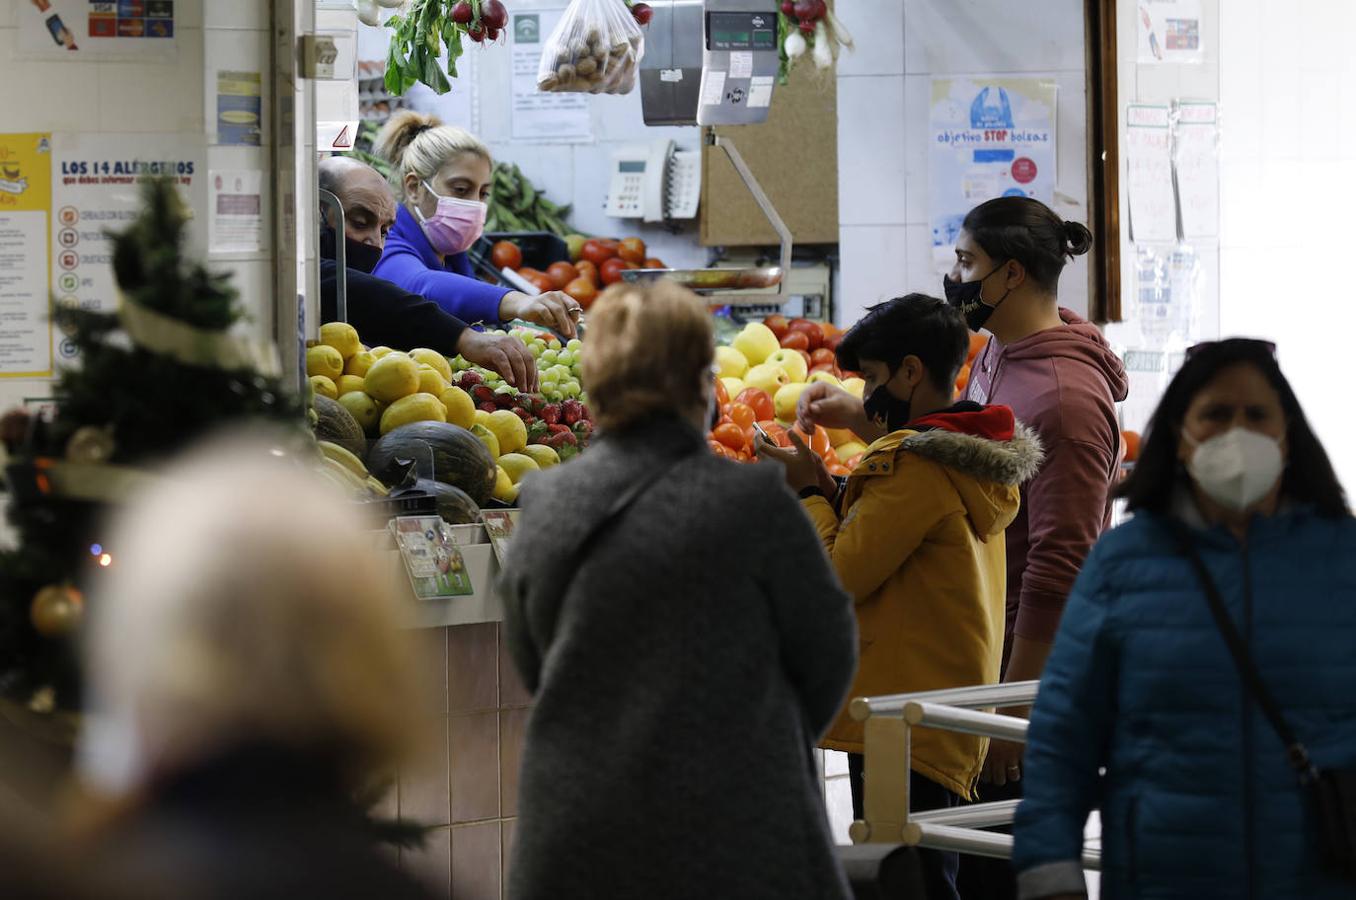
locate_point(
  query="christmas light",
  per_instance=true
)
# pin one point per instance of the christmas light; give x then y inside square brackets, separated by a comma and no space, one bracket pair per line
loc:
[96,550]
[106,560]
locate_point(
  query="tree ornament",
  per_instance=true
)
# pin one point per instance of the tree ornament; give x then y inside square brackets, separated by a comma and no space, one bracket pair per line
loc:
[57,610]
[91,444]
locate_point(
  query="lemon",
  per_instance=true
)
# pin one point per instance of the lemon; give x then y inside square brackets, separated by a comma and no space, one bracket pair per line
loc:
[362,408]
[359,363]
[517,465]
[347,384]
[505,490]
[487,438]
[342,337]
[324,360]
[542,455]
[434,360]
[430,382]
[414,408]
[379,352]
[392,377]
[324,387]
[482,418]
[461,409]
[509,429]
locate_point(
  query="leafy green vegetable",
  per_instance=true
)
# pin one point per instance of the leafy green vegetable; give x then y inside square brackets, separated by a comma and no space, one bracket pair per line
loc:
[419,40]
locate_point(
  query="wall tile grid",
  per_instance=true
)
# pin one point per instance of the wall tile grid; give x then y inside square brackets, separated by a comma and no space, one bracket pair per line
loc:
[467,787]
[883,101]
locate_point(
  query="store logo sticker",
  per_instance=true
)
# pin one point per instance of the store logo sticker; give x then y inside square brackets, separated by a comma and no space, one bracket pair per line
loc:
[527,29]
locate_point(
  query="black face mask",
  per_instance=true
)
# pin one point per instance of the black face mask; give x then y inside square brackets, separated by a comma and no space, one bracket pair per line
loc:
[360,256]
[967,296]
[884,408]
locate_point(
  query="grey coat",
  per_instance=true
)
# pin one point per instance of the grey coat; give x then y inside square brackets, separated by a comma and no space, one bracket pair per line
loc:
[703,646]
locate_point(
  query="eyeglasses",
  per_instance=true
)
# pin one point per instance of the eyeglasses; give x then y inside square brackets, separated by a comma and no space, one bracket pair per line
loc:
[1269,347]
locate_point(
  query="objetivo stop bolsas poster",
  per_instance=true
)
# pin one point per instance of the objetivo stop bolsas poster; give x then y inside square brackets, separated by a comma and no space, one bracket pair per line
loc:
[988,137]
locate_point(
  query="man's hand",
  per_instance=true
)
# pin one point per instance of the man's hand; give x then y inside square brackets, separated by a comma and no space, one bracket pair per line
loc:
[554,309]
[502,353]
[824,404]
[803,466]
[1003,765]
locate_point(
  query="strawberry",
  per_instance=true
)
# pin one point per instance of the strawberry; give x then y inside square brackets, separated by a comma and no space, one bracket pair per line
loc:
[483,393]
[558,429]
[469,379]
[583,429]
[487,407]
[524,415]
[504,401]
[563,439]
[572,411]
[567,453]
[550,413]
[538,432]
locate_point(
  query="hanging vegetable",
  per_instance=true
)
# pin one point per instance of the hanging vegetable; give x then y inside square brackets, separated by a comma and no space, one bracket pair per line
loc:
[426,29]
[809,27]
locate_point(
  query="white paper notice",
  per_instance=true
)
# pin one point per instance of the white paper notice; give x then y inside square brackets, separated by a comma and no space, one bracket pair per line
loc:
[25,205]
[1170,31]
[236,201]
[741,65]
[97,188]
[1148,160]
[538,116]
[760,93]
[1196,161]
[713,89]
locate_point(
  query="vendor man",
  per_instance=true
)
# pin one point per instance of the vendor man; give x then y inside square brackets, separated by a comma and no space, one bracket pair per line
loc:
[382,312]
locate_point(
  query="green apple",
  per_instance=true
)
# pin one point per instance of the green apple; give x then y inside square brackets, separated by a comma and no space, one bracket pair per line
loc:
[792,363]
[756,342]
[575,244]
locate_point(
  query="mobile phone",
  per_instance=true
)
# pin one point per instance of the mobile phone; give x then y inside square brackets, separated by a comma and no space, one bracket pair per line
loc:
[767,439]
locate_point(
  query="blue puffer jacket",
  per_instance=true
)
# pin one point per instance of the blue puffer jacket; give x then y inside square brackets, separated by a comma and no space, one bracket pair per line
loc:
[1197,799]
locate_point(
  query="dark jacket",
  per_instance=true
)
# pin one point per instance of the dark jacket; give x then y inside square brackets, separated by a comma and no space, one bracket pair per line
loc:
[383,313]
[257,822]
[681,681]
[1197,799]
[1063,383]
[409,261]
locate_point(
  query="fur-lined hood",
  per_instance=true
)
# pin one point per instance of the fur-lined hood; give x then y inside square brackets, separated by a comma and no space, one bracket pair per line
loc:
[986,469]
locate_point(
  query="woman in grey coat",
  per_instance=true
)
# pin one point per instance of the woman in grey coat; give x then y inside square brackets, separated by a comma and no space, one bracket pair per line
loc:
[684,661]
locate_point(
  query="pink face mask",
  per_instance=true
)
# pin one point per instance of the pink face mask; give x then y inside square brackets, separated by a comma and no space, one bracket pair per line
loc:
[455,225]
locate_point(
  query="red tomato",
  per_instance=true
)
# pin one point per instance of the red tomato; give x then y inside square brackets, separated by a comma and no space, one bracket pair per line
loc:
[731,435]
[632,250]
[814,369]
[820,443]
[742,415]
[778,325]
[832,343]
[506,255]
[720,449]
[759,400]
[597,252]
[822,357]
[583,290]
[543,283]
[612,269]
[839,470]
[588,270]
[653,263]
[777,432]
[796,340]
[830,330]
[811,330]
[806,354]
[722,395]
[561,274]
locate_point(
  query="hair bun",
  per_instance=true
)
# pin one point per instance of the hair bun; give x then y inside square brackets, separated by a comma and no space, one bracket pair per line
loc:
[400,131]
[1078,240]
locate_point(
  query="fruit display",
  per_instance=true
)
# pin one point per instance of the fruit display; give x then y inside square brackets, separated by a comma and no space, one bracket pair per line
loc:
[452,422]
[595,264]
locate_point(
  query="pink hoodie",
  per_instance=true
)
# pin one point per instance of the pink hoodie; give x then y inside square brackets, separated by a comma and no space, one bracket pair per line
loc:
[1064,383]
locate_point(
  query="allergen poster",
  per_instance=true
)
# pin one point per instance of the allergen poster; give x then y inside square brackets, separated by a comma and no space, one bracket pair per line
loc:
[25,208]
[97,190]
[989,137]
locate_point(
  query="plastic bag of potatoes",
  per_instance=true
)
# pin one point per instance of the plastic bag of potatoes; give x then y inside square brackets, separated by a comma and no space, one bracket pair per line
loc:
[596,49]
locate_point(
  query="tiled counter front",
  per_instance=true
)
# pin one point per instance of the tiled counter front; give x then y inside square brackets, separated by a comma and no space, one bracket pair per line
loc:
[469,790]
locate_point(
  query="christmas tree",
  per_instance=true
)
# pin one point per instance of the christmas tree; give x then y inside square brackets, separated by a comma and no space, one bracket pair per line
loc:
[161,373]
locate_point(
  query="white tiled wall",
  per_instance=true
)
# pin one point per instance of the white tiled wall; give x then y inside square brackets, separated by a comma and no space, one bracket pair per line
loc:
[883,94]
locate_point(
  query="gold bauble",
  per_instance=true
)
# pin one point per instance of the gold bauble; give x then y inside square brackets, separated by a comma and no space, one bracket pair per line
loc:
[57,610]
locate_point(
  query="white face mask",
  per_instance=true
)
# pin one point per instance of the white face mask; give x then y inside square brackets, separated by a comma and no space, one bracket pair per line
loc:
[1236,469]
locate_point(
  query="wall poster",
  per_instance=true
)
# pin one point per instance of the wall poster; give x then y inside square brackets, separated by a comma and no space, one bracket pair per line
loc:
[25,209]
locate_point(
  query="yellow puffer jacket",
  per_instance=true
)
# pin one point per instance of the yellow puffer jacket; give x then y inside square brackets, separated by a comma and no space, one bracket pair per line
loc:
[921,550]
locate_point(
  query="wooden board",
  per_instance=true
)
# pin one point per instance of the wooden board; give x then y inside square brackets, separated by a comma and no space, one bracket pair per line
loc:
[794,156]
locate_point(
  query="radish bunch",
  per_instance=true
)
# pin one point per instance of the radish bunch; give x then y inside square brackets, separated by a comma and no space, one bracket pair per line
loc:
[425,30]
[809,26]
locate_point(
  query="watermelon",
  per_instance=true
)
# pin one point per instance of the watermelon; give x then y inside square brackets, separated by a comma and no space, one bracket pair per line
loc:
[337,425]
[439,451]
[454,505]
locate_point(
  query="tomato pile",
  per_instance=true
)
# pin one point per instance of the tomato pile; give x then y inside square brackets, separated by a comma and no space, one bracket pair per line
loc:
[596,263]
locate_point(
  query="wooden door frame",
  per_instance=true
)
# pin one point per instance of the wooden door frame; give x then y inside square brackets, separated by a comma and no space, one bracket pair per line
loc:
[1104,202]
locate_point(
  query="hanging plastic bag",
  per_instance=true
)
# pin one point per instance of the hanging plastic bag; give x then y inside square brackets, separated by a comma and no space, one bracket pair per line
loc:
[596,49]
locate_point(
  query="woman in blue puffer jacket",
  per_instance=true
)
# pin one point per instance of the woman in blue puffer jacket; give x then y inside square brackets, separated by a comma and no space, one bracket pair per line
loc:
[1142,712]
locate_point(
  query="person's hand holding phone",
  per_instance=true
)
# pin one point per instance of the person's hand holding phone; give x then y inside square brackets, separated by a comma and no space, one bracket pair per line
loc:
[803,466]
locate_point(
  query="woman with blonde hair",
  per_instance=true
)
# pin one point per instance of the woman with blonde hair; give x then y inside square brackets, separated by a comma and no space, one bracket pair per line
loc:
[441,177]
[247,677]
[685,639]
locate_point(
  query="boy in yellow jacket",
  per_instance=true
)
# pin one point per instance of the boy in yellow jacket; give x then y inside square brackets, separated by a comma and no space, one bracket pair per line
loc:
[916,536]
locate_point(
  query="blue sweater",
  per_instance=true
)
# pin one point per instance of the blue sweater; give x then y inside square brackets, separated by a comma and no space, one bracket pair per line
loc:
[409,261]
[1197,799]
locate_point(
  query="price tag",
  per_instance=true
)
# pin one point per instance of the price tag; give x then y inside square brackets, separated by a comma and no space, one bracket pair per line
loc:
[434,563]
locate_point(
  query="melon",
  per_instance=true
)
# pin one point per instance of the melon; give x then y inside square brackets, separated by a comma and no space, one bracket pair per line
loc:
[454,505]
[439,451]
[337,425]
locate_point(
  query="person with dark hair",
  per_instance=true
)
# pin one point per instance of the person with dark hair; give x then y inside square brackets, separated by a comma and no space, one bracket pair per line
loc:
[1241,556]
[916,538]
[384,313]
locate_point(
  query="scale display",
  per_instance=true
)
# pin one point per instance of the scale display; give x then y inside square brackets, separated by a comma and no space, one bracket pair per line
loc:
[741,31]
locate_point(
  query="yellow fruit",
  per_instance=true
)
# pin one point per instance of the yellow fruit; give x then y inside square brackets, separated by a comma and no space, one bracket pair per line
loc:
[854,386]
[792,363]
[414,408]
[434,360]
[756,342]
[731,363]
[324,360]
[324,387]
[430,382]
[517,465]
[342,337]
[849,450]
[542,455]
[826,377]
[487,438]
[359,363]
[733,386]
[392,377]
[784,403]
[482,418]
[767,378]
[505,491]
[347,384]
[364,410]
[380,351]
[343,456]
[840,436]
[461,409]
[509,429]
